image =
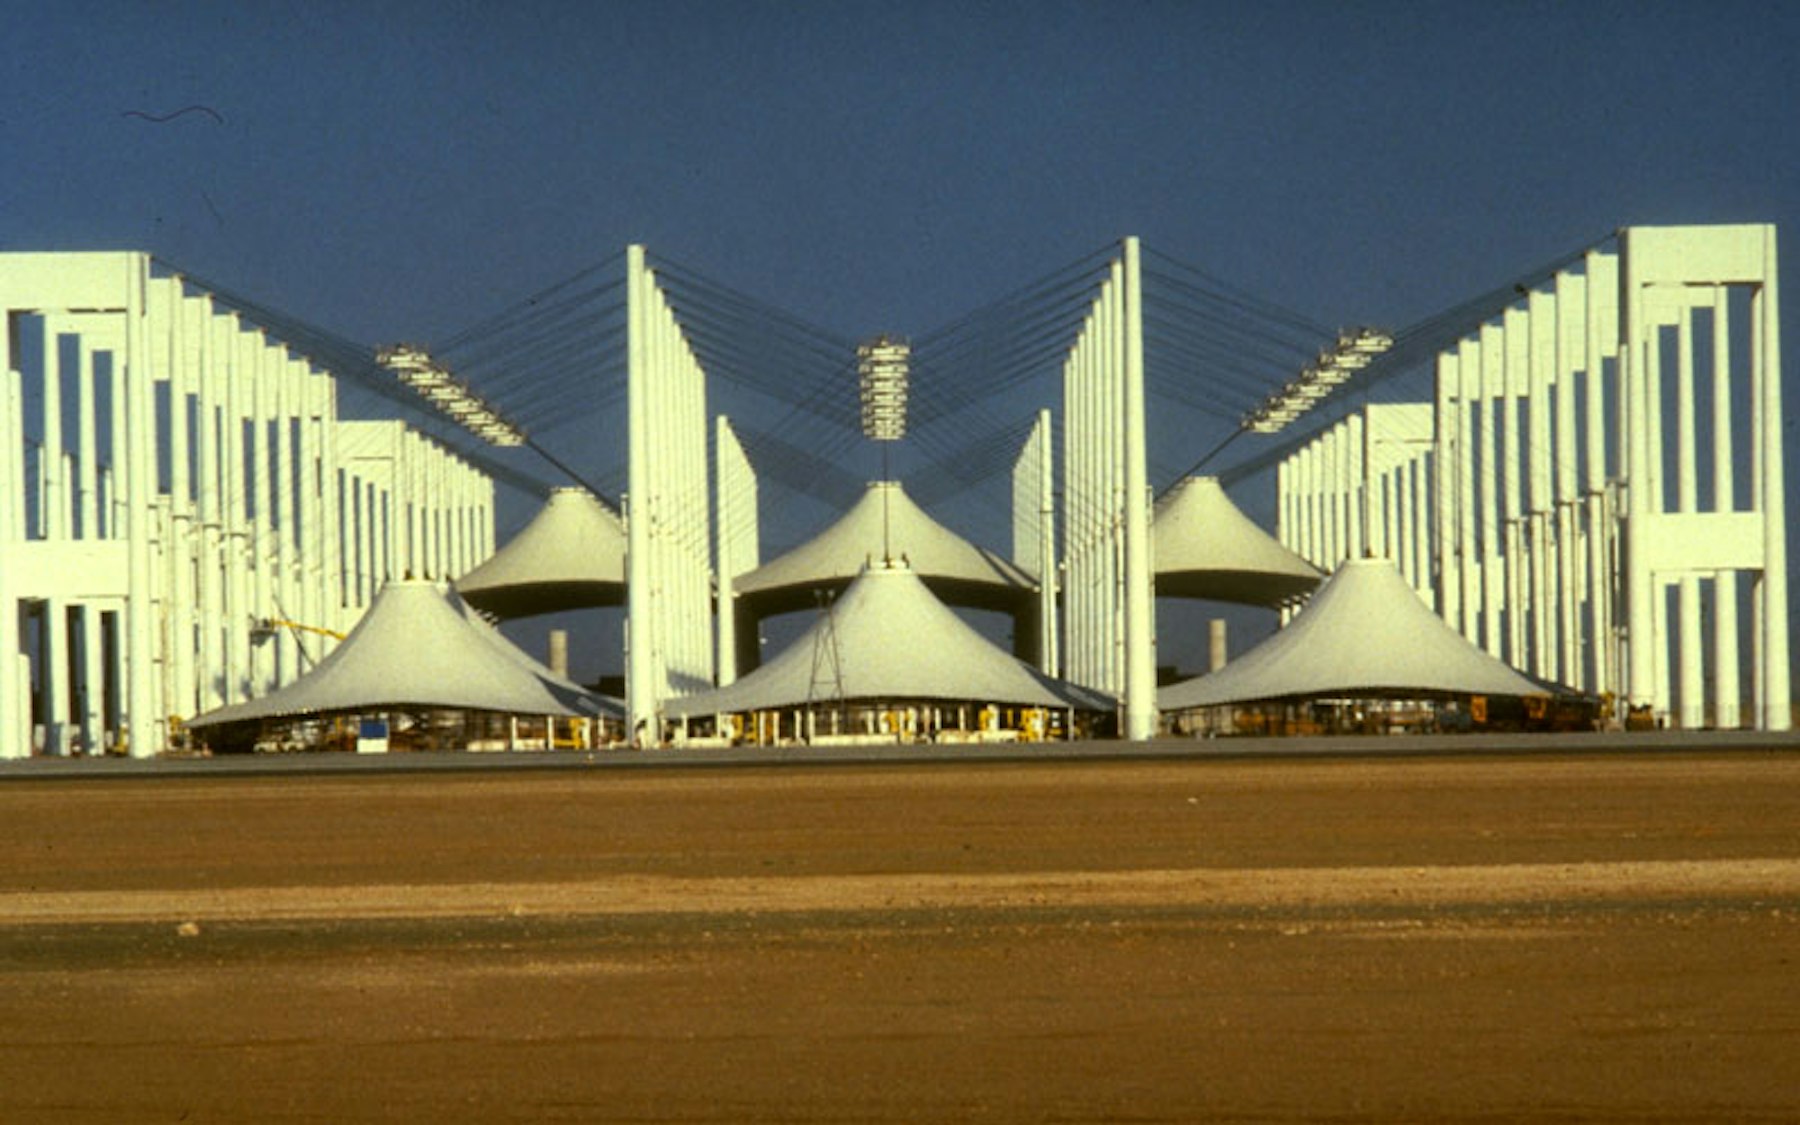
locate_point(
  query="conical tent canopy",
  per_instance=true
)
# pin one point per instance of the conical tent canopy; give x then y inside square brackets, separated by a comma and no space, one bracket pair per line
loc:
[570,556]
[1365,633]
[418,647]
[955,569]
[888,638]
[1207,548]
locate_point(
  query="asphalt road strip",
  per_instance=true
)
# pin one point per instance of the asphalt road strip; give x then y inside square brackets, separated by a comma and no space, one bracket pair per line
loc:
[1745,880]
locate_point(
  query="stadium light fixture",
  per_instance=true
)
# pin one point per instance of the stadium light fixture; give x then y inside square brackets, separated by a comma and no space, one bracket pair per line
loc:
[1354,350]
[881,366]
[415,367]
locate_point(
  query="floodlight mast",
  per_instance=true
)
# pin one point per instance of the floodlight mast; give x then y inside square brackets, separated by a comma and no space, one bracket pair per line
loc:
[1355,349]
[881,367]
[414,367]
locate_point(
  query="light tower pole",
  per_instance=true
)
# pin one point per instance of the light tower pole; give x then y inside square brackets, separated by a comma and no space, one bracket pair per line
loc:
[881,368]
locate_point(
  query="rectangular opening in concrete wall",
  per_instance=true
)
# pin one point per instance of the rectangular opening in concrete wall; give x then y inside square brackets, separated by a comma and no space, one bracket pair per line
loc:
[1742,394]
[297,478]
[164,406]
[28,358]
[1613,413]
[193,417]
[247,447]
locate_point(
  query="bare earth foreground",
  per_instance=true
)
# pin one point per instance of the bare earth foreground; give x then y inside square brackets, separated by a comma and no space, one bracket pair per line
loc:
[1475,938]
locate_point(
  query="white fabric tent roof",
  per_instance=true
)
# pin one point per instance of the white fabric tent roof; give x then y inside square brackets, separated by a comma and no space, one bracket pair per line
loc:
[570,556]
[1364,633]
[1207,548]
[894,641]
[935,553]
[419,646]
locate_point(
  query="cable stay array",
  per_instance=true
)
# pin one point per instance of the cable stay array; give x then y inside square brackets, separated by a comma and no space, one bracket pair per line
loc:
[957,470]
[753,345]
[967,376]
[552,360]
[799,470]
[554,363]
[1004,345]
[1215,349]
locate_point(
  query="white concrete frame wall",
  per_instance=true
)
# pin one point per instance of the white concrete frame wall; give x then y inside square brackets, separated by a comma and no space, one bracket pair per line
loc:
[1684,542]
[1363,487]
[1539,517]
[1034,531]
[739,546]
[669,580]
[1397,443]
[134,557]
[1523,562]
[1326,523]
[196,495]
[1108,599]
[411,507]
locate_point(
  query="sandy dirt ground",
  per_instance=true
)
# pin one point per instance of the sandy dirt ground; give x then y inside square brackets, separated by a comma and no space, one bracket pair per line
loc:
[1605,938]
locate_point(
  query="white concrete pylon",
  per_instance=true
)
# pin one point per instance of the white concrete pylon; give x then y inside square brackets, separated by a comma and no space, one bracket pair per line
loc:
[1034,532]
[669,581]
[1108,599]
[738,550]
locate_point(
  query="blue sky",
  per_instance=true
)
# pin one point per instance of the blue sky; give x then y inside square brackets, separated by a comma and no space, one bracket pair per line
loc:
[400,171]
[404,169]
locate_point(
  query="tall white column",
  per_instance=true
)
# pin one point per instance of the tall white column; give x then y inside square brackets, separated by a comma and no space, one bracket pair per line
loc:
[1727,685]
[410,493]
[240,382]
[1355,487]
[53,676]
[1048,642]
[1140,610]
[314,564]
[86,481]
[734,488]
[1492,573]
[1108,594]
[1636,388]
[54,514]
[1601,343]
[1421,524]
[1515,363]
[264,409]
[12,453]
[145,729]
[208,519]
[1776,701]
[642,693]
[1687,499]
[1331,471]
[1469,549]
[280,375]
[93,679]
[14,720]
[180,596]
[1539,505]
[1312,532]
[1570,331]
[1446,576]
